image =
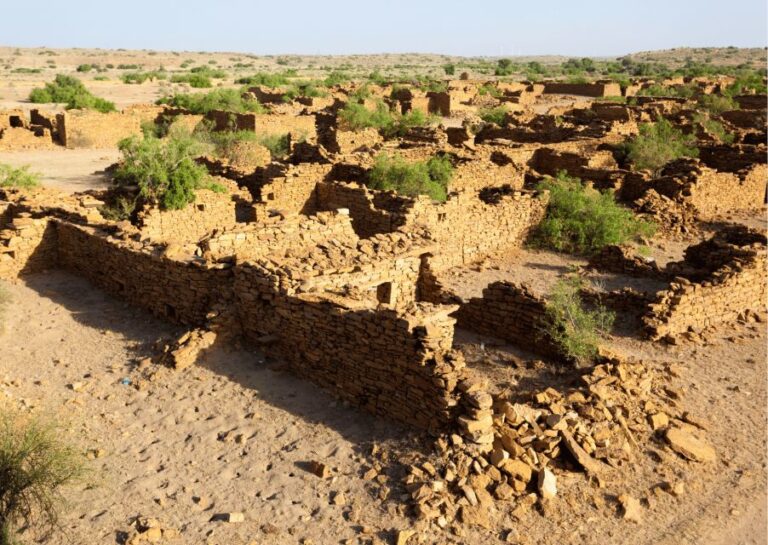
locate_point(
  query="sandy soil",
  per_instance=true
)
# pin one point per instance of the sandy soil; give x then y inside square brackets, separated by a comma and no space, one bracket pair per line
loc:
[237,432]
[66,169]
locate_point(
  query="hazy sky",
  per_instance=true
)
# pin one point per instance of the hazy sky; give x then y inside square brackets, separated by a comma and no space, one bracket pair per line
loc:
[478,27]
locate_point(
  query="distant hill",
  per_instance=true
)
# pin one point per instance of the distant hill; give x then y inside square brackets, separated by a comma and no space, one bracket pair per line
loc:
[754,57]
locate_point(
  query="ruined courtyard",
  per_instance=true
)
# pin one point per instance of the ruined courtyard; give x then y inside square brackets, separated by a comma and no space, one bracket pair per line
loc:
[296,355]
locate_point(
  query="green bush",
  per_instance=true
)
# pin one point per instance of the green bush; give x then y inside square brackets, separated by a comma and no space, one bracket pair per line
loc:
[141,77]
[72,92]
[356,116]
[717,104]
[224,143]
[449,69]
[714,128]
[496,115]
[410,179]
[230,100]
[336,78]
[583,220]
[197,81]
[266,80]
[680,91]
[35,463]
[659,143]
[18,177]
[164,170]
[575,329]
[489,89]
[85,68]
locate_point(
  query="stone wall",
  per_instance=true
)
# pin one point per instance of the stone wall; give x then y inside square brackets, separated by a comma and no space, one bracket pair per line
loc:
[509,312]
[180,291]
[389,363]
[724,280]
[584,89]
[91,129]
[470,225]
[371,212]
[211,210]
[27,245]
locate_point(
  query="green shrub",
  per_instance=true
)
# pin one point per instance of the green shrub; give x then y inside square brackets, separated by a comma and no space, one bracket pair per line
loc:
[120,209]
[449,69]
[128,66]
[717,104]
[230,100]
[659,143]
[18,177]
[23,70]
[85,68]
[336,78]
[141,77]
[575,329]
[277,144]
[583,220]
[489,89]
[35,463]
[72,92]
[714,128]
[224,143]
[266,80]
[410,179]
[356,116]
[746,82]
[496,115]
[164,169]
[680,91]
[197,81]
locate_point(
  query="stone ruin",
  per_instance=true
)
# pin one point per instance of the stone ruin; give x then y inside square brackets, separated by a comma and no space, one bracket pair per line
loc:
[346,284]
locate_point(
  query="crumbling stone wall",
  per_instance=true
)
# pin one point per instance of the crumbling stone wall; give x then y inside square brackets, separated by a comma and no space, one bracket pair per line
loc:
[473,225]
[211,210]
[179,291]
[597,89]
[292,191]
[371,212]
[725,280]
[27,245]
[389,363]
[294,235]
[91,129]
[509,312]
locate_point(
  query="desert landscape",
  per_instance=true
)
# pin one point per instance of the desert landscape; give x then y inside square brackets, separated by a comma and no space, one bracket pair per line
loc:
[383,299]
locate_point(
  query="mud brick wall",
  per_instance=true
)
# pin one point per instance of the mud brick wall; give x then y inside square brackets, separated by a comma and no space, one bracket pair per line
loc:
[509,312]
[27,245]
[394,364]
[179,291]
[583,89]
[736,287]
[211,210]
[467,228]
[91,129]
[294,234]
[293,191]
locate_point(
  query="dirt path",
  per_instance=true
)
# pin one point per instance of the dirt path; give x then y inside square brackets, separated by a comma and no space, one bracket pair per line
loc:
[66,169]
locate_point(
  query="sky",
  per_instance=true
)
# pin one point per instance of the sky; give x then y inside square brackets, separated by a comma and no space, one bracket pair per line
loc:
[574,28]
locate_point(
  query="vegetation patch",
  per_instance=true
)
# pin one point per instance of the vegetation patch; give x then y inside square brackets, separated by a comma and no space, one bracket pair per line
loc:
[20,178]
[72,92]
[659,143]
[164,170]
[230,100]
[35,463]
[583,220]
[356,117]
[497,115]
[411,179]
[575,329]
